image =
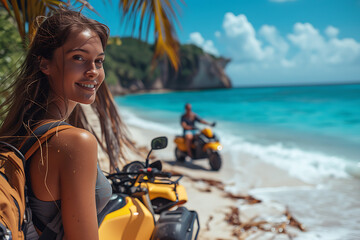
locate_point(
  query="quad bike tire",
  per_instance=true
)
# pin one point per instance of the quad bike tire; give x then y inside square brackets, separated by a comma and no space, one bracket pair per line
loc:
[180,156]
[215,161]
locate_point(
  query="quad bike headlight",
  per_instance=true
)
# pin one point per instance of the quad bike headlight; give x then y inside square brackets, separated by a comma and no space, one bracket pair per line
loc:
[219,148]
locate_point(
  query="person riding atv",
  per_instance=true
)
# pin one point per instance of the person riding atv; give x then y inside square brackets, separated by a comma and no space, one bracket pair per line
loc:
[197,144]
[188,120]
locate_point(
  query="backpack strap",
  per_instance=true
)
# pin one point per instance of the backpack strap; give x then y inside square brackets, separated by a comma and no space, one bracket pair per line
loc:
[41,134]
[15,150]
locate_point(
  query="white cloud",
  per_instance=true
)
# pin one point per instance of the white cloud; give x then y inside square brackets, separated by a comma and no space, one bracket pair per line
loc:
[196,38]
[207,45]
[339,51]
[331,32]
[210,48]
[235,26]
[305,54]
[306,37]
[286,63]
[272,36]
[315,49]
[217,34]
[242,43]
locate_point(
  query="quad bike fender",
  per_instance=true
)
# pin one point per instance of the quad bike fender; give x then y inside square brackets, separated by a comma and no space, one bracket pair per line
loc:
[214,146]
[166,191]
[180,143]
[133,221]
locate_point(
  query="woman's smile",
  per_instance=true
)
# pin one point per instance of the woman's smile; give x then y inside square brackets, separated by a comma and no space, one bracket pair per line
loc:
[88,87]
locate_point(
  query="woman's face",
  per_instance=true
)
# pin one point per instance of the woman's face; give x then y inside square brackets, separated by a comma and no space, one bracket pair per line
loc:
[76,70]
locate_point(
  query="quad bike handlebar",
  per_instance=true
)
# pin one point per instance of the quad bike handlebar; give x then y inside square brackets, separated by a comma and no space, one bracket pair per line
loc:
[123,182]
[151,172]
[213,124]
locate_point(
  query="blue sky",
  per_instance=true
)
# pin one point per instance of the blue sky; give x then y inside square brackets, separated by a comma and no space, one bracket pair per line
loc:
[270,41]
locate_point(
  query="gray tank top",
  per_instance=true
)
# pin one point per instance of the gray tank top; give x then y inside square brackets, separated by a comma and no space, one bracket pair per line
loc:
[49,213]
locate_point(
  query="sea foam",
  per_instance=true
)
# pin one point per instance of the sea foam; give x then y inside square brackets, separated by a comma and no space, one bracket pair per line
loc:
[132,119]
[308,166]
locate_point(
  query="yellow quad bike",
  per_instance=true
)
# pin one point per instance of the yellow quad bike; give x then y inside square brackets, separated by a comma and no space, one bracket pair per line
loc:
[146,204]
[205,145]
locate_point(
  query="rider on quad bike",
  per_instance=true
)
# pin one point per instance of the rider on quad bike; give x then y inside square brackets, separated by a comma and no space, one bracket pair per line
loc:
[188,120]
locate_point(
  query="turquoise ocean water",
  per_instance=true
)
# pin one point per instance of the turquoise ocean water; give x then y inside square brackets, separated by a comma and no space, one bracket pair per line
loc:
[290,121]
[312,132]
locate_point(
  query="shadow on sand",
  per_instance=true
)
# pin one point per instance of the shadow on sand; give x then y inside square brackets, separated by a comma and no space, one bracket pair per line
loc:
[187,164]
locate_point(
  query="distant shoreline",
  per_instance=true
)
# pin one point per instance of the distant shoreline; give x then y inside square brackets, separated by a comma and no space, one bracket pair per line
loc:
[299,85]
[144,91]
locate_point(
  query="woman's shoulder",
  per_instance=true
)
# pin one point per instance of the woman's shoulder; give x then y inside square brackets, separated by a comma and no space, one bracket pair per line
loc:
[73,141]
[75,133]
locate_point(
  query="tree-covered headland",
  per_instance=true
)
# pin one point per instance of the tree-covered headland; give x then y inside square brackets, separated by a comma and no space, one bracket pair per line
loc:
[129,68]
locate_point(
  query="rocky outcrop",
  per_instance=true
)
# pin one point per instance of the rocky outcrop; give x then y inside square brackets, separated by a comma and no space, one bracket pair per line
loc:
[129,67]
[210,74]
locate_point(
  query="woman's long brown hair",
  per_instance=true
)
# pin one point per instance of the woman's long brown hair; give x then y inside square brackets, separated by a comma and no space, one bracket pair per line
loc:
[27,98]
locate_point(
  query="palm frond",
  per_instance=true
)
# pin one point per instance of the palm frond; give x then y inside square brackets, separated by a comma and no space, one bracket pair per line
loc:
[160,12]
[25,12]
[5,4]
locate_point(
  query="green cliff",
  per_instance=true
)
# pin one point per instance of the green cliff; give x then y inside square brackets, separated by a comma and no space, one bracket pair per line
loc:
[128,68]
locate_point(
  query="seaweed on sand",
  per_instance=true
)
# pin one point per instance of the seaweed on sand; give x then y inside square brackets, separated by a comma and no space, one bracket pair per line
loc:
[243,229]
[256,224]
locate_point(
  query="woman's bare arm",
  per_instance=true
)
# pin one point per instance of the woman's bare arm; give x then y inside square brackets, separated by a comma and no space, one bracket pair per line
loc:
[77,178]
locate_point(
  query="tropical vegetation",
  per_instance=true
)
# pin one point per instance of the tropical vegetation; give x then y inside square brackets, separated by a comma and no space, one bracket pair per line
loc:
[130,63]
[10,47]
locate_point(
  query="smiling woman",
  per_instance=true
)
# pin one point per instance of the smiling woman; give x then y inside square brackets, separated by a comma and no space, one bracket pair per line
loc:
[63,67]
[76,70]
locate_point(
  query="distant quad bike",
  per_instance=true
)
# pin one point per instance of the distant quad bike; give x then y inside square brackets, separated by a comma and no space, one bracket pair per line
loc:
[205,145]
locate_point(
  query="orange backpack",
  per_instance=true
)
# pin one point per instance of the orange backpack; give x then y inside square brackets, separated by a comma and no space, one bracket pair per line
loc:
[14,213]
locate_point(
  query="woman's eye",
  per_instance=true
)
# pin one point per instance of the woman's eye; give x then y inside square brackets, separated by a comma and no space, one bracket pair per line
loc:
[78,58]
[99,62]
